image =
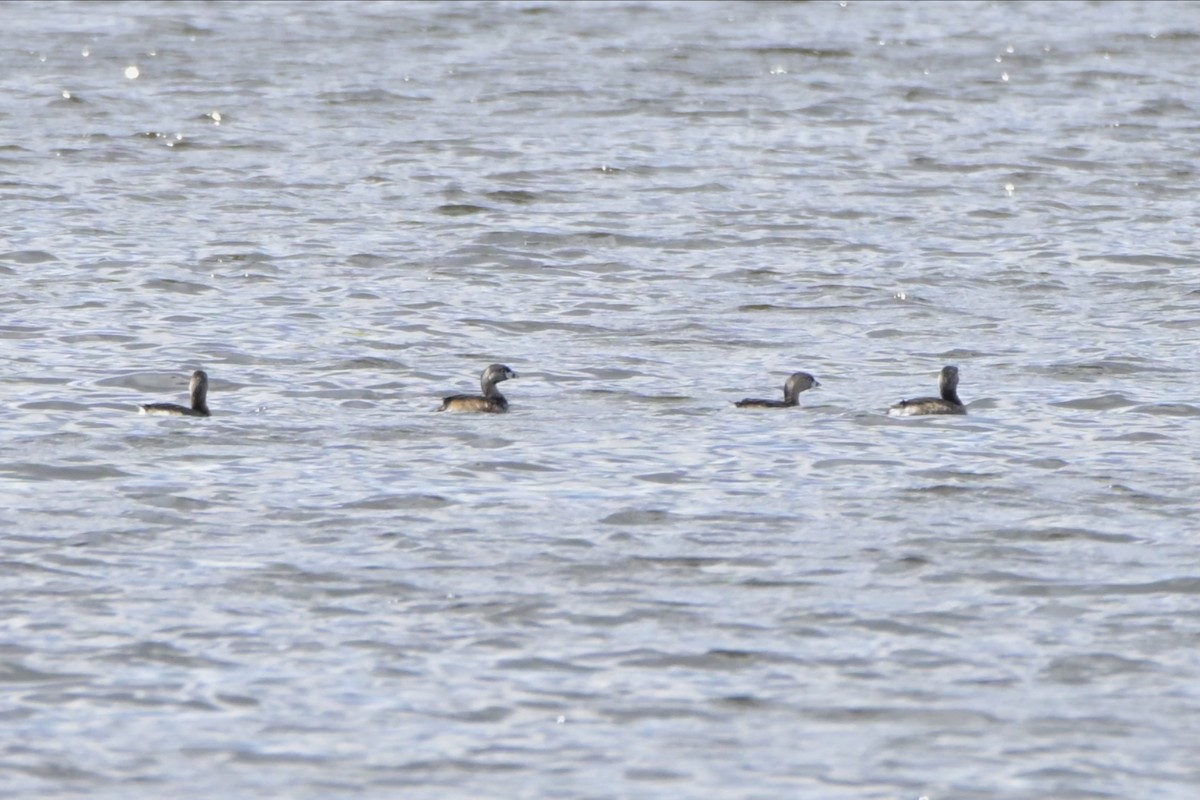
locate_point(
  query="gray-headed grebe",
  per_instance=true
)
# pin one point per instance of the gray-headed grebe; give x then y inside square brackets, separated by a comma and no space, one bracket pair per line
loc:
[948,403]
[199,391]
[491,401]
[797,383]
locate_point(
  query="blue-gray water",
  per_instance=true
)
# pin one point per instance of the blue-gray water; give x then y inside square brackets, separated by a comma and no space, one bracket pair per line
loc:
[625,587]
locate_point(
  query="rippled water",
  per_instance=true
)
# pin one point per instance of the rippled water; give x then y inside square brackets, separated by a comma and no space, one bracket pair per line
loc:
[625,587]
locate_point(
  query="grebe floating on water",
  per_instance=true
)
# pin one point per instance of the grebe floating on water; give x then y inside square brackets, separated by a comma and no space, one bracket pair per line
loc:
[948,403]
[199,392]
[797,383]
[491,401]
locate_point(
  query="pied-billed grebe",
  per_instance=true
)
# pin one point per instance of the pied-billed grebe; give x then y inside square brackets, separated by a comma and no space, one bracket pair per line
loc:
[948,403]
[797,383]
[491,401]
[199,391]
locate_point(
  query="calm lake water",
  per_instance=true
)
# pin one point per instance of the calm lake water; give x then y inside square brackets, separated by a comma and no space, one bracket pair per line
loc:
[625,587]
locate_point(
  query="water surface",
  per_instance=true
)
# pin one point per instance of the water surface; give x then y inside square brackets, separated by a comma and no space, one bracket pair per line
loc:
[625,587]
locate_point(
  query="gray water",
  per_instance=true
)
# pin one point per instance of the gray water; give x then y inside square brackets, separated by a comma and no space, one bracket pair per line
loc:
[625,587]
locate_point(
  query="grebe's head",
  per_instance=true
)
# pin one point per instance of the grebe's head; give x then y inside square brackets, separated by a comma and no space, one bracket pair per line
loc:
[797,383]
[948,378]
[496,373]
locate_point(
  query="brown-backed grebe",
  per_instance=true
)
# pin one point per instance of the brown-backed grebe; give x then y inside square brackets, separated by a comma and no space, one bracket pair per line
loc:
[199,392]
[491,401]
[797,383]
[948,403]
